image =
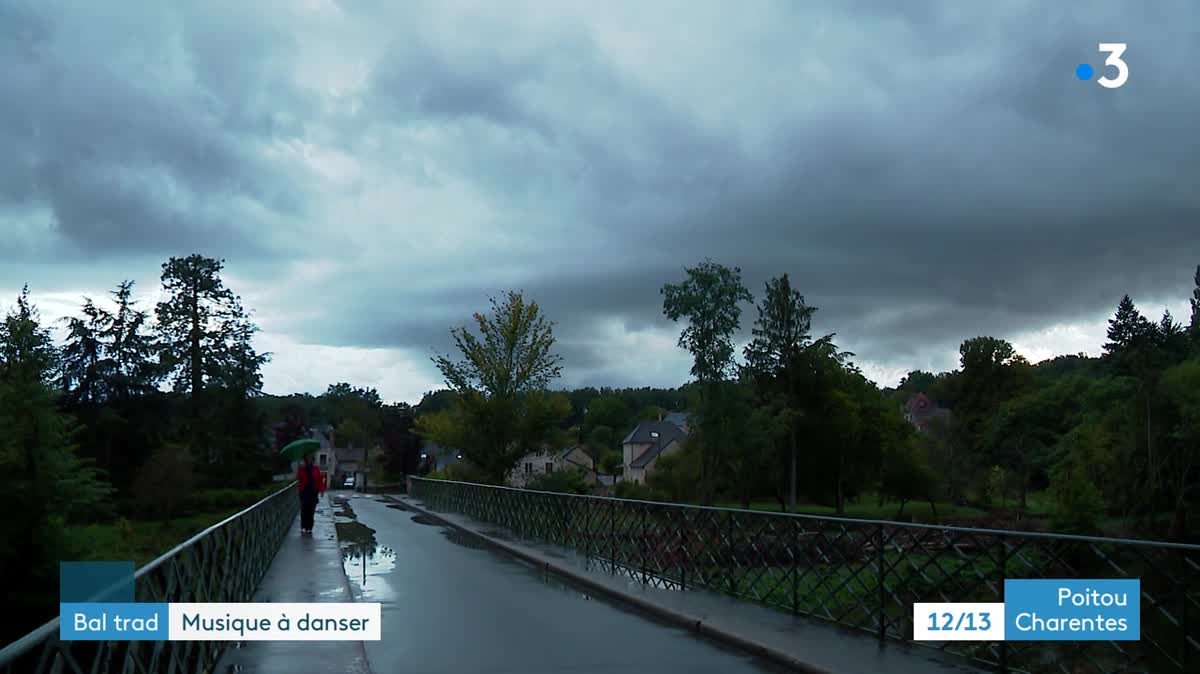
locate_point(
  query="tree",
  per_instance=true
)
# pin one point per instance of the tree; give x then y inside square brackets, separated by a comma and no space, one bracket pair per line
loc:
[502,410]
[1181,386]
[908,474]
[609,411]
[781,334]
[164,480]
[48,485]
[197,301]
[128,366]
[83,354]
[1194,326]
[708,299]
[1134,350]
[26,350]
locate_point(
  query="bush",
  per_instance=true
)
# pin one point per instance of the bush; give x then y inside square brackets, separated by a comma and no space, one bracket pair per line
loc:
[1078,506]
[165,478]
[562,481]
[634,490]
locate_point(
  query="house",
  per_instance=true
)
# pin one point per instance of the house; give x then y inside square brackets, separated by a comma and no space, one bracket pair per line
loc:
[325,458]
[549,461]
[923,413]
[650,440]
[351,463]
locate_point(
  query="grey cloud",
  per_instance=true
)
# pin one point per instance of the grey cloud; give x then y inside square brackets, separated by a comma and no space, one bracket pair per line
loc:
[140,129]
[925,171]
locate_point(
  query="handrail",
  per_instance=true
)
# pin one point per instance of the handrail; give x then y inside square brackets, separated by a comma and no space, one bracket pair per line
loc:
[852,520]
[855,573]
[48,632]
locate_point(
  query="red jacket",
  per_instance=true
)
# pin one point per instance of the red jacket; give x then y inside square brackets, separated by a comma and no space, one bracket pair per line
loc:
[302,474]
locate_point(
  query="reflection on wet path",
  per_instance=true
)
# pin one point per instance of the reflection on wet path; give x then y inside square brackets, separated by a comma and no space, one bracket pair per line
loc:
[366,562]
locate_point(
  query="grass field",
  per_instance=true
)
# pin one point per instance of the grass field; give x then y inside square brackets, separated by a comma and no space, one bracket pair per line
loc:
[143,540]
[868,508]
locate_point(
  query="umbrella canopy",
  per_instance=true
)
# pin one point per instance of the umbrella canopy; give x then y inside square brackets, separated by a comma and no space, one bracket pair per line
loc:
[297,449]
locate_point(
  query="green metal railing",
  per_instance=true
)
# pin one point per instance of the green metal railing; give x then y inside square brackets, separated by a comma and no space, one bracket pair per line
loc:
[223,563]
[861,574]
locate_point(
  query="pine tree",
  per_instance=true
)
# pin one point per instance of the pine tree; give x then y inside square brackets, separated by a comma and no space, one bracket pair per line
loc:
[1194,326]
[197,302]
[47,485]
[83,355]
[129,365]
[1127,329]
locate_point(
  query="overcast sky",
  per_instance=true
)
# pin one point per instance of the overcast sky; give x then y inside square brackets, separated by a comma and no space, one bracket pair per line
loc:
[372,171]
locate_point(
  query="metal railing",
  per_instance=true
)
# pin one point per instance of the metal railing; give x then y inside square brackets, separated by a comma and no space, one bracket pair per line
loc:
[223,563]
[861,574]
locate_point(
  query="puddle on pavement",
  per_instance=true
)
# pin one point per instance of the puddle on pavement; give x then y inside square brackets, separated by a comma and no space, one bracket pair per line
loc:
[366,562]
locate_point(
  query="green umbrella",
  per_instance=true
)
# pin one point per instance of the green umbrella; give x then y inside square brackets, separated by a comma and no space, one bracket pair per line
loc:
[298,449]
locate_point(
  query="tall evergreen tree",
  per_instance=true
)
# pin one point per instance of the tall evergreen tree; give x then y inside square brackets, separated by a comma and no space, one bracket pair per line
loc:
[1127,329]
[1194,326]
[780,336]
[189,319]
[130,349]
[83,355]
[47,485]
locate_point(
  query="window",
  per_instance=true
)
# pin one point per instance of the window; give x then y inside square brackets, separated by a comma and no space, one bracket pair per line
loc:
[324,460]
[549,468]
[528,468]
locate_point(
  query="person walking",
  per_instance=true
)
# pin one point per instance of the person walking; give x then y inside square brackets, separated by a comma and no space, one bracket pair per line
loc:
[312,486]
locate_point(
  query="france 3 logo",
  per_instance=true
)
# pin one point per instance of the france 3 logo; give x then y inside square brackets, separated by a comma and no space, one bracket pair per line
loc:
[1115,50]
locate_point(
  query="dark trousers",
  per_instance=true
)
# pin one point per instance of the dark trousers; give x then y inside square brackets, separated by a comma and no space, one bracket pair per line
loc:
[308,508]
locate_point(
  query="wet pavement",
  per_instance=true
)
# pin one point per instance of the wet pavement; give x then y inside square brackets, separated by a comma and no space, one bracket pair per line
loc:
[307,568]
[451,605]
[797,639]
[454,604]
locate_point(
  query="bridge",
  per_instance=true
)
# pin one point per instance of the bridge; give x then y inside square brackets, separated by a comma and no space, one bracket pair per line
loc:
[477,578]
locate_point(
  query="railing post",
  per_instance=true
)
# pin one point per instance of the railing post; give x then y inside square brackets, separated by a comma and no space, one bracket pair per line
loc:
[1003,574]
[642,546]
[732,555]
[793,554]
[685,558]
[1185,658]
[612,534]
[881,569]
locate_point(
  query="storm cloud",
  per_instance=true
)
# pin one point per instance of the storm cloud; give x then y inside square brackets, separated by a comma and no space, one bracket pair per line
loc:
[372,172]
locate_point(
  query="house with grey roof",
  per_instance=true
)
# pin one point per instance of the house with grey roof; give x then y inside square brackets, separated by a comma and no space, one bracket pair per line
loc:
[551,460]
[649,441]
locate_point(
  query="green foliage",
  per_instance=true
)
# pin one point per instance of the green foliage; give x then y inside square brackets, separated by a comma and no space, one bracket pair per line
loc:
[907,472]
[635,490]
[610,462]
[708,300]
[165,479]
[675,475]
[48,486]
[1078,505]
[196,303]
[502,410]
[607,411]
[570,481]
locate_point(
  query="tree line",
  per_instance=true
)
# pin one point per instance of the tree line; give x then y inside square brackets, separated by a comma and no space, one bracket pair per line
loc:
[794,420]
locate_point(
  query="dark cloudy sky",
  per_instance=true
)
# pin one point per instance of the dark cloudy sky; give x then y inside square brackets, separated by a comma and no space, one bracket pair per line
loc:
[372,171]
